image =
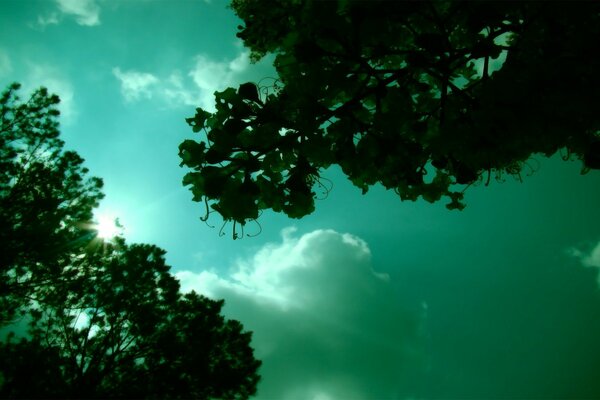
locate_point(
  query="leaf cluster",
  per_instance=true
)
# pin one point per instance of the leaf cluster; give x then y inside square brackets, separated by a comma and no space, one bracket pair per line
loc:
[402,94]
[240,166]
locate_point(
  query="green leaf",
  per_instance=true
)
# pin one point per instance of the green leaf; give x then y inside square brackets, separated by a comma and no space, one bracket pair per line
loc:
[214,180]
[227,96]
[199,120]
[249,91]
[192,153]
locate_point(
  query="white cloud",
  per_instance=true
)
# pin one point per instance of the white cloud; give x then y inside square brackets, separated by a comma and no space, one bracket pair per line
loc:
[589,259]
[197,87]
[135,85]
[325,324]
[85,12]
[210,76]
[175,91]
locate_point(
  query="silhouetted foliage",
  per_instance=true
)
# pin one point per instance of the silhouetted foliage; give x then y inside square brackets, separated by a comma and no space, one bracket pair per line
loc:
[46,200]
[120,328]
[409,95]
[105,319]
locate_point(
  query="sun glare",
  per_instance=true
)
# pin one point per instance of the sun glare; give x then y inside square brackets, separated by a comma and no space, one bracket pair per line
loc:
[107,227]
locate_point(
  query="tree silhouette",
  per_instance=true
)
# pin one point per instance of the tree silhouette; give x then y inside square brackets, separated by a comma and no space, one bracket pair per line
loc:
[105,318]
[425,98]
[120,328]
[45,197]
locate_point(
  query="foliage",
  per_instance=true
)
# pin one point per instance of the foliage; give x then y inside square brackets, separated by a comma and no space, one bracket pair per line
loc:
[105,319]
[410,95]
[45,197]
[120,328]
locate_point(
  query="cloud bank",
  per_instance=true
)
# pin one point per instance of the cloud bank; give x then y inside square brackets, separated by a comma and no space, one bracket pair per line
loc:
[135,85]
[326,326]
[85,12]
[210,76]
[194,88]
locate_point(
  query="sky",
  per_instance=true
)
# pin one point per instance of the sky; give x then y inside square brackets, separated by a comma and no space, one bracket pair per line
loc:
[368,297]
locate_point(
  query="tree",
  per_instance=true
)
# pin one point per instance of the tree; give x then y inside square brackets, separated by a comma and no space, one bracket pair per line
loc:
[402,94]
[120,328]
[46,200]
[105,319]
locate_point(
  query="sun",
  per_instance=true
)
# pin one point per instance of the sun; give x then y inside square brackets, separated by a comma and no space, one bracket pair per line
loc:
[107,226]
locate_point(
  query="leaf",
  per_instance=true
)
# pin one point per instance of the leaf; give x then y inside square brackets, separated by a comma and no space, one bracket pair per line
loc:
[199,120]
[456,201]
[195,179]
[273,163]
[192,153]
[592,156]
[249,91]
[214,181]
[226,96]
[299,204]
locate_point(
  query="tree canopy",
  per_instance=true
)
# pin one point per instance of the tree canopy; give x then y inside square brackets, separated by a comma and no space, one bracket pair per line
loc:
[425,98]
[46,199]
[104,319]
[119,328]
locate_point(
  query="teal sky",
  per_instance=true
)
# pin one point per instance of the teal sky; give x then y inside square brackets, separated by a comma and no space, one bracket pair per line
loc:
[368,297]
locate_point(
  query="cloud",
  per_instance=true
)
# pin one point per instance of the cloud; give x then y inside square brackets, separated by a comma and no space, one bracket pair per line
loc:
[589,259]
[176,93]
[135,85]
[85,12]
[325,324]
[196,87]
[209,76]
